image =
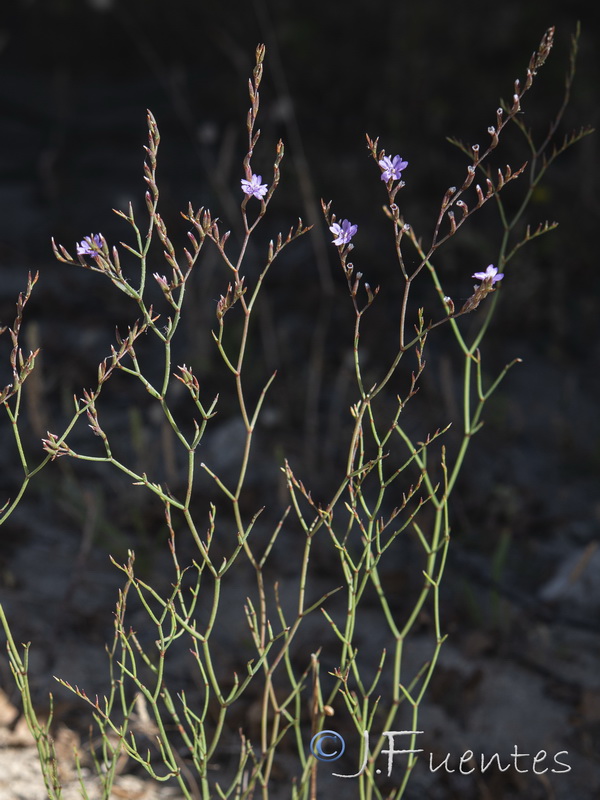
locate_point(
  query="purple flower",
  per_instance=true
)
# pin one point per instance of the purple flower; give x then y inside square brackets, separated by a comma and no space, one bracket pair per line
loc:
[491,274]
[91,245]
[392,168]
[344,232]
[254,187]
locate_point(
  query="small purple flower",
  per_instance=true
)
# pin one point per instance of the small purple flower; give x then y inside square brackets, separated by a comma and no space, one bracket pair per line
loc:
[491,274]
[344,232]
[392,168]
[254,187]
[91,245]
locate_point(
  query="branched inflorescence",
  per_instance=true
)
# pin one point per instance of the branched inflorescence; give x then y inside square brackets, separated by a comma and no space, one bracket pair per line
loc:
[391,488]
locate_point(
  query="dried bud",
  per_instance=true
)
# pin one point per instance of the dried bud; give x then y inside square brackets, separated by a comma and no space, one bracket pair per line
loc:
[452,222]
[162,281]
[478,294]
[544,49]
[371,293]
[224,303]
[55,447]
[448,197]
[469,178]
[189,380]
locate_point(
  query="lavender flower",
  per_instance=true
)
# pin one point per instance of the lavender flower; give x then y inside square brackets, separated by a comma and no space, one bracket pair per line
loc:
[91,245]
[491,274]
[254,187]
[392,168]
[344,232]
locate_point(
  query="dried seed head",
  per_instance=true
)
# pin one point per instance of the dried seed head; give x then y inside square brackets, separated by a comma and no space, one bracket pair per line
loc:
[543,50]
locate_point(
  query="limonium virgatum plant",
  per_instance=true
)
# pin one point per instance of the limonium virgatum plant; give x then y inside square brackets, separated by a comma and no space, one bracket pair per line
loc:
[391,488]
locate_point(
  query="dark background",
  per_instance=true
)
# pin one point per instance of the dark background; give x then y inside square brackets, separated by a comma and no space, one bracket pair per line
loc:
[75,82]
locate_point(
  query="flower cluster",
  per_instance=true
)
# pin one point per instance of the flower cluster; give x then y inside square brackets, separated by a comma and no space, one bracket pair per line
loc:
[91,245]
[344,232]
[254,187]
[392,168]
[481,290]
[491,275]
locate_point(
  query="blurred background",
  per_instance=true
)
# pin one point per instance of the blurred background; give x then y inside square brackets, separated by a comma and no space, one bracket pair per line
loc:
[522,597]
